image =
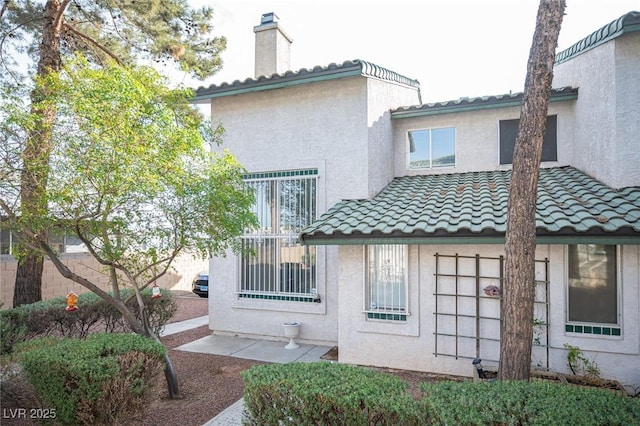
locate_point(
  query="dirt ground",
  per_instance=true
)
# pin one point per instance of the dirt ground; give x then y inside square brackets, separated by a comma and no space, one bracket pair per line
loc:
[208,383]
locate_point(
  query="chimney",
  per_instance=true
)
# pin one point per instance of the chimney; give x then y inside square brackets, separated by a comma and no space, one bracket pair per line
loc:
[273,47]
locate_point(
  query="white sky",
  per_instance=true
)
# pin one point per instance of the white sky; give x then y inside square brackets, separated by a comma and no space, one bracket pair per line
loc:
[455,48]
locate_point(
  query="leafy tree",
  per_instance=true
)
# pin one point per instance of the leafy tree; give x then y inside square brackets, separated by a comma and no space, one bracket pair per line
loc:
[129,176]
[122,30]
[520,245]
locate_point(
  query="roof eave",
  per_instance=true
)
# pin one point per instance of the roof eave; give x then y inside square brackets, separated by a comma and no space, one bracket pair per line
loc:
[454,239]
[270,84]
[478,104]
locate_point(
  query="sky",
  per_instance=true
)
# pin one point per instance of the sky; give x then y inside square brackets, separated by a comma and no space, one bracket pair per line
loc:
[455,48]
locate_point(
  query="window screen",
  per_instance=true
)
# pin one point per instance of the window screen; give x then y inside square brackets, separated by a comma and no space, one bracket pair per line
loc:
[509,131]
[593,289]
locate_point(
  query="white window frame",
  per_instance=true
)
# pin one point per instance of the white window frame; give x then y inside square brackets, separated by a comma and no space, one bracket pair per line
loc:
[619,298]
[382,313]
[431,165]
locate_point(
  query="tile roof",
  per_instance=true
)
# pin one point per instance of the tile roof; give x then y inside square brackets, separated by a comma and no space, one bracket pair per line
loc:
[478,103]
[354,67]
[627,23]
[472,208]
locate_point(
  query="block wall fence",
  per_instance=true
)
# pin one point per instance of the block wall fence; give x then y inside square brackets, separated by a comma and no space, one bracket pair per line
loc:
[185,268]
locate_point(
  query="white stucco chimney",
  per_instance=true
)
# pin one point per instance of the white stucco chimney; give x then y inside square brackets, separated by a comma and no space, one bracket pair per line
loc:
[273,47]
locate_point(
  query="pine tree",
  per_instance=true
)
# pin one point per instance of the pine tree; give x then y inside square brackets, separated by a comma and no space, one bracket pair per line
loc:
[126,31]
[520,244]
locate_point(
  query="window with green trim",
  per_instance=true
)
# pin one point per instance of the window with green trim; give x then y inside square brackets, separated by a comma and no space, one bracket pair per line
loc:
[431,148]
[386,282]
[593,296]
[273,264]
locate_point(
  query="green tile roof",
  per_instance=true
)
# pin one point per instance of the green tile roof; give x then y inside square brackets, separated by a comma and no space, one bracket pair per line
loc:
[627,23]
[471,208]
[478,103]
[356,67]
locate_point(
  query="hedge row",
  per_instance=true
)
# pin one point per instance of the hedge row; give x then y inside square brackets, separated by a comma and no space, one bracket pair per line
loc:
[522,403]
[49,318]
[328,393]
[103,379]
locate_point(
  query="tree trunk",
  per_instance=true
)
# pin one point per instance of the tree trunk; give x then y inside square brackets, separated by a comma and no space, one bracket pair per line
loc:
[27,289]
[35,157]
[520,244]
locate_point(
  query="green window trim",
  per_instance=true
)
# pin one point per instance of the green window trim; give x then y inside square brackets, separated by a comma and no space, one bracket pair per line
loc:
[280,174]
[279,297]
[596,330]
[386,316]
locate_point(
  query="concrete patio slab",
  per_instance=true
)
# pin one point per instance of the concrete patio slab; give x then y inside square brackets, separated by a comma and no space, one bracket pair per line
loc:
[259,350]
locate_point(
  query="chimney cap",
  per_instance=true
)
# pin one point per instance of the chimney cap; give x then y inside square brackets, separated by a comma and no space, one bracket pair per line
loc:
[268,18]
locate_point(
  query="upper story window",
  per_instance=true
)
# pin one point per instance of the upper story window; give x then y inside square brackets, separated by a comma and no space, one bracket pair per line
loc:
[430,148]
[593,296]
[273,263]
[509,131]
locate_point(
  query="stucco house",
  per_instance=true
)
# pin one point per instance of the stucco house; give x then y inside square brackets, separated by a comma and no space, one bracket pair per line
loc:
[383,218]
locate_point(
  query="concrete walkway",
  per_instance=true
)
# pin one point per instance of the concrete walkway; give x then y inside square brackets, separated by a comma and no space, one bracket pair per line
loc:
[177,327]
[239,347]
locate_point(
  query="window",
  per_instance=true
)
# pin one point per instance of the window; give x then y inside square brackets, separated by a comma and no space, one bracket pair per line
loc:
[432,148]
[60,241]
[274,265]
[509,131]
[5,241]
[386,282]
[593,288]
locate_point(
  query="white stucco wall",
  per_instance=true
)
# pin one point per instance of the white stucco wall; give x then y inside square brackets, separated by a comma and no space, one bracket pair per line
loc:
[477,138]
[382,96]
[608,109]
[411,344]
[335,126]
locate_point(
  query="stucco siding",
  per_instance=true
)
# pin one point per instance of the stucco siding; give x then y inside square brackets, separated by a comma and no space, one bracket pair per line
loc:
[381,97]
[320,122]
[412,344]
[320,125]
[477,138]
[607,109]
[628,110]
[343,129]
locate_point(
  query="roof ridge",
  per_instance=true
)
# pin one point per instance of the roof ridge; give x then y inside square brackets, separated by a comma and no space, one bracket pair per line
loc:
[627,23]
[372,70]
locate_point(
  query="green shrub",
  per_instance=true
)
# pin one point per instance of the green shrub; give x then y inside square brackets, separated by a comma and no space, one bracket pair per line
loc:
[535,403]
[49,318]
[326,393]
[100,380]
